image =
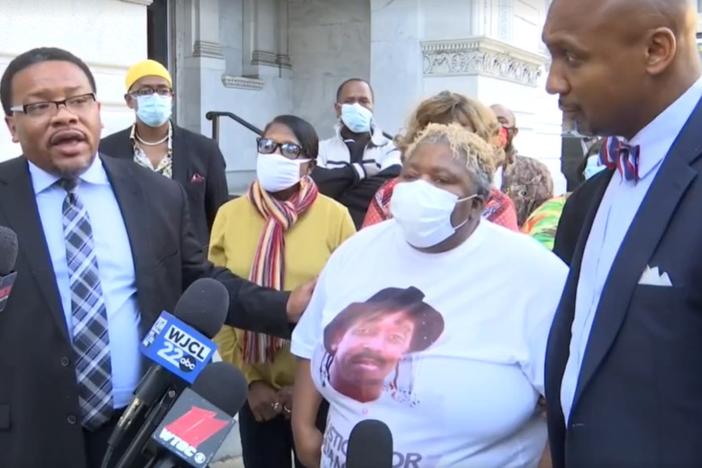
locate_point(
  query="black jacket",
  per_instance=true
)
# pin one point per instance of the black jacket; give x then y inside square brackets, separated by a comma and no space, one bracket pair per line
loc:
[198,165]
[38,389]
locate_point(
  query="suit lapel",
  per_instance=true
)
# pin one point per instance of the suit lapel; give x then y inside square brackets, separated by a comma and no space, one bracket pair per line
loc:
[559,338]
[639,244]
[180,164]
[18,203]
[131,199]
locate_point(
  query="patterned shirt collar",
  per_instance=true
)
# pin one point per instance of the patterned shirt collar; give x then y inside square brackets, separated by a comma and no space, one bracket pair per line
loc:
[165,165]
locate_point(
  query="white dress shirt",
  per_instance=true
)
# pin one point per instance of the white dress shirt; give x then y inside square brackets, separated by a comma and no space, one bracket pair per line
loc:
[615,214]
[115,264]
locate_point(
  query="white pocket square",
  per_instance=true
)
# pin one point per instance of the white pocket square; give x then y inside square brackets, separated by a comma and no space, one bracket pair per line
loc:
[653,277]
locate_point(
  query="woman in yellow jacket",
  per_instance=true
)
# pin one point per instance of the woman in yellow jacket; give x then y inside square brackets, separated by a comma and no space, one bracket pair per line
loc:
[279,235]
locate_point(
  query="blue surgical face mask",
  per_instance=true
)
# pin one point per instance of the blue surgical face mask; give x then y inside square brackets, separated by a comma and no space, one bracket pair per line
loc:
[154,110]
[356,118]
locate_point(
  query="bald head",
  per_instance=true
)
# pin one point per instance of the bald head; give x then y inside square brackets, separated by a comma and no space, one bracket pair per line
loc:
[618,63]
[504,115]
[508,122]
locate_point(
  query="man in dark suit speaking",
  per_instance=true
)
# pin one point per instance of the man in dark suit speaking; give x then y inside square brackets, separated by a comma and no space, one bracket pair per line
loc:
[105,246]
[623,380]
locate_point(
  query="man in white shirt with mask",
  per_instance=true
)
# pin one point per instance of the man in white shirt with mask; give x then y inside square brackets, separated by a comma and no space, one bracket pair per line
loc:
[358,159]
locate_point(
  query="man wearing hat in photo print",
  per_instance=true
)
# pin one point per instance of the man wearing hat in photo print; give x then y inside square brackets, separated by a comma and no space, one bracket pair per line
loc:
[366,341]
[153,141]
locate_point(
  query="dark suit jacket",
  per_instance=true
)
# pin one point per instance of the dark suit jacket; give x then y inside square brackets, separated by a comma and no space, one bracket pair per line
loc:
[198,165]
[638,400]
[575,211]
[38,390]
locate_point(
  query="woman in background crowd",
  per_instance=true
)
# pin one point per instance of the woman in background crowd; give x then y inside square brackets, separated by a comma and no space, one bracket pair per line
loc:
[445,108]
[542,223]
[417,322]
[528,183]
[280,235]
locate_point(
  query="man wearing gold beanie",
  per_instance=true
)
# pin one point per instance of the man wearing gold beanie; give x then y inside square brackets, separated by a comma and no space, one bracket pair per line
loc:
[154,142]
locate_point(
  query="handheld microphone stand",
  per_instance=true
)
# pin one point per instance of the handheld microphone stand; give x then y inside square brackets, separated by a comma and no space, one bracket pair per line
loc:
[142,437]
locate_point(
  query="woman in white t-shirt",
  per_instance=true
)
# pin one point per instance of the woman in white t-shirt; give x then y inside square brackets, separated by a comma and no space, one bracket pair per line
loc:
[434,322]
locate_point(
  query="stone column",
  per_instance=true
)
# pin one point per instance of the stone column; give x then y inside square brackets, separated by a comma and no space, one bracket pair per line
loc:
[396,61]
[200,59]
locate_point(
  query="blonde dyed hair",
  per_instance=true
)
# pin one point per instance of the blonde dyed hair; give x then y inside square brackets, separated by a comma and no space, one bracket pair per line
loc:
[477,155]
[446,108]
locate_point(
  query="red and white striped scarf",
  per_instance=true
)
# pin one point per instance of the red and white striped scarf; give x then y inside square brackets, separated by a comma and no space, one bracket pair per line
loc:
[268,267]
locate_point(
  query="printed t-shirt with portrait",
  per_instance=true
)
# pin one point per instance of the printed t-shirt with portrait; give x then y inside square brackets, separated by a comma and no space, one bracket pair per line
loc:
[446,349]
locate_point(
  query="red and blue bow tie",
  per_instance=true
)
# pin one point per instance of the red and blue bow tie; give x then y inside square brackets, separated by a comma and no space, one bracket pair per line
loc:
[625,158]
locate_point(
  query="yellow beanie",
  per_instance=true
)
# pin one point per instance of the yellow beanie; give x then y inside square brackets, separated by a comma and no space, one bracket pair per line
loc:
[146,68]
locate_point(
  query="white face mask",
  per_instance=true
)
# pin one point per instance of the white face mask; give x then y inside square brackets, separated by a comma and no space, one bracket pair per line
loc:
[423,211]
[275,172]
[356,118]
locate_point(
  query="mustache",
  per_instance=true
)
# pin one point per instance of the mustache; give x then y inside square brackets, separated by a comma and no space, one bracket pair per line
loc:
[366,355]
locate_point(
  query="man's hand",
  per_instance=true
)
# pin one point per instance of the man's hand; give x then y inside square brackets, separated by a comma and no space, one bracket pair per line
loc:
[263,401]
[308,445]
[299,299]
[285,397]
[366,168]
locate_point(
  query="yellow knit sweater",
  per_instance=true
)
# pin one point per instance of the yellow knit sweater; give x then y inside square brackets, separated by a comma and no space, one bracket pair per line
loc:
[308,245]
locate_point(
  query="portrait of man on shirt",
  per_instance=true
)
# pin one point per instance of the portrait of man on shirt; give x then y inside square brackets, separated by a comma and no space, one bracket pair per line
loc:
[366,341]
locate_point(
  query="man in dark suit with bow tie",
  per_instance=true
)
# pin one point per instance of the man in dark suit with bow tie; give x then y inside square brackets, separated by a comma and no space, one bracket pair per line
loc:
[105,246]
[623,380]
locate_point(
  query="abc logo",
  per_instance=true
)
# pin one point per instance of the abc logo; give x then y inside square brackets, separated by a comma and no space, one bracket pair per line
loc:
[187,363]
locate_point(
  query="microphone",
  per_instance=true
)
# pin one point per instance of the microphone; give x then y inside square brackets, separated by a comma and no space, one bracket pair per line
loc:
[200,419]
[179,345]
[8,257]
[370,445]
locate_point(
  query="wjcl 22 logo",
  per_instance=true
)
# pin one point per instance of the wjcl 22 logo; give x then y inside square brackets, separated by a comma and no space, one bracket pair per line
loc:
[178,347]
[182,349]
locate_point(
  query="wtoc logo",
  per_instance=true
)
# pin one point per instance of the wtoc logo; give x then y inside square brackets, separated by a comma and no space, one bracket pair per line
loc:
[181,349]
[189,431]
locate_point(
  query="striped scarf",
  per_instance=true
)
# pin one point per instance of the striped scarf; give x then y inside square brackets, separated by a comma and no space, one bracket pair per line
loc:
[268,268]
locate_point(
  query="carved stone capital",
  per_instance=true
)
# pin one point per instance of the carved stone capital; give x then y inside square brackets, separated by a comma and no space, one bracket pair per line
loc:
[482,56]
[139,2]
[207,49]
[271,59]
[242,82]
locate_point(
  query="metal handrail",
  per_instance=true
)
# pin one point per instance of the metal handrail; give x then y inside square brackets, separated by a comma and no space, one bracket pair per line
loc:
[215,115]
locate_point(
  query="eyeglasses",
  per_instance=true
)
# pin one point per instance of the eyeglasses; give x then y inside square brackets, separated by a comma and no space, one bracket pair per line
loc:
[75,104]
[147,91]
[289,150]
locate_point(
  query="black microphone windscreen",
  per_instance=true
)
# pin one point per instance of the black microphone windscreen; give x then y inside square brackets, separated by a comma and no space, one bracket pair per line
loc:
[223,385]
[370,445]
[8,250]
[204,306]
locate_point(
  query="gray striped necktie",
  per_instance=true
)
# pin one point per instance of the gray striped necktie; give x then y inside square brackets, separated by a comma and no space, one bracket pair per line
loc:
[91,341]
